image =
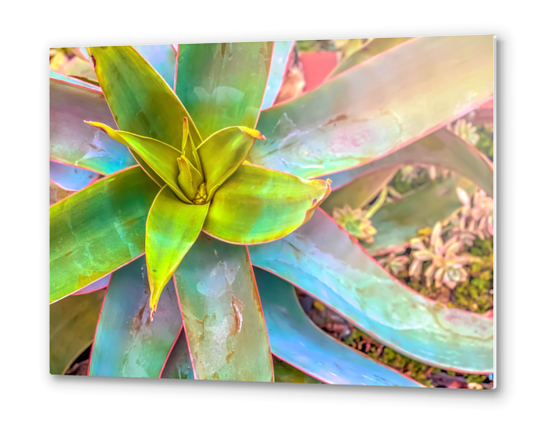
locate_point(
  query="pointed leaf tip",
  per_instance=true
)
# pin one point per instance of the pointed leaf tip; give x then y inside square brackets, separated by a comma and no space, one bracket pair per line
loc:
[172,228]
[253,133]
[108,130]
[321,196]
[259,205]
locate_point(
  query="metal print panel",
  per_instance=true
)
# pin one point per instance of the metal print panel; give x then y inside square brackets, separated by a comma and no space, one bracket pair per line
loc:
[316,212]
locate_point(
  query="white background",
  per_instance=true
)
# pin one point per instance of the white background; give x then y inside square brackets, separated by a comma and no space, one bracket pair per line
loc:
[29,393]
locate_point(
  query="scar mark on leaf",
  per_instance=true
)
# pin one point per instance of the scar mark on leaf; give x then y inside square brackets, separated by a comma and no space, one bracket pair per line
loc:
[339,118]
[237,306]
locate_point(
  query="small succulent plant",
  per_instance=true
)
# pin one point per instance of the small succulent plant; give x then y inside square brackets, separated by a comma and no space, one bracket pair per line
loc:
[476,213]
[446,265]
[358,221]
[394,263]
[466,130]
[410,172]
[485,144]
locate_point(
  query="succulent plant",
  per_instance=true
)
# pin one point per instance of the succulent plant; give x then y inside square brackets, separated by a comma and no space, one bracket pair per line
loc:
[197,211]
[357,221]
[394,263]
[446,265]
[410,172]
[477,213]
[466,130]
[194,177]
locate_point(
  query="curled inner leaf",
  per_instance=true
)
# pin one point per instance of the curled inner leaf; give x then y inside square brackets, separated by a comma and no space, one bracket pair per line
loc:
[161,157]
[188,147]
[190,179]
[223,152]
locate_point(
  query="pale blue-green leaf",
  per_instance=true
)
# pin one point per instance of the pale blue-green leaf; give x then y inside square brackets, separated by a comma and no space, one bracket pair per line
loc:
[322,259]
[127,342]
[279,61]
[70,177]
[298,341]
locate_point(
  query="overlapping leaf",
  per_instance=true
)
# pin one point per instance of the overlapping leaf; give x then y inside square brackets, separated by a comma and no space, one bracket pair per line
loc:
[361,190]
[378,106]
[128,343]
[75,143]
[279,63]
[163,58]
[96,285]
[376,46]
[397,223]
[257,205]
[297,340]
[441,148]
[72,323]
[57,193]
[223,152]
[74,81]
[222,84]
[178,364]
[285,373]
[70,177]
[222,313]
[98,229]
[160,157]
[327,263]
[141,101]
[172,229]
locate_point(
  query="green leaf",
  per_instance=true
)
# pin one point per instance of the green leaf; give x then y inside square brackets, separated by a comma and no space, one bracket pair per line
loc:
[139,98]
[441,148]
[128,341]
[72,324]
[74,80]
[163,58]
[285,373]
[222,85]
[223,152]
[99,284]
[189,177]
[378,106]
[397,223]
[98,229]
[74,143]
[160,157]
[257,205]
[189,149]
[296,339]
[222,313]
[360,191]
[172,229]
[178,364]
[141,101]
[323,260]
[376,46]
